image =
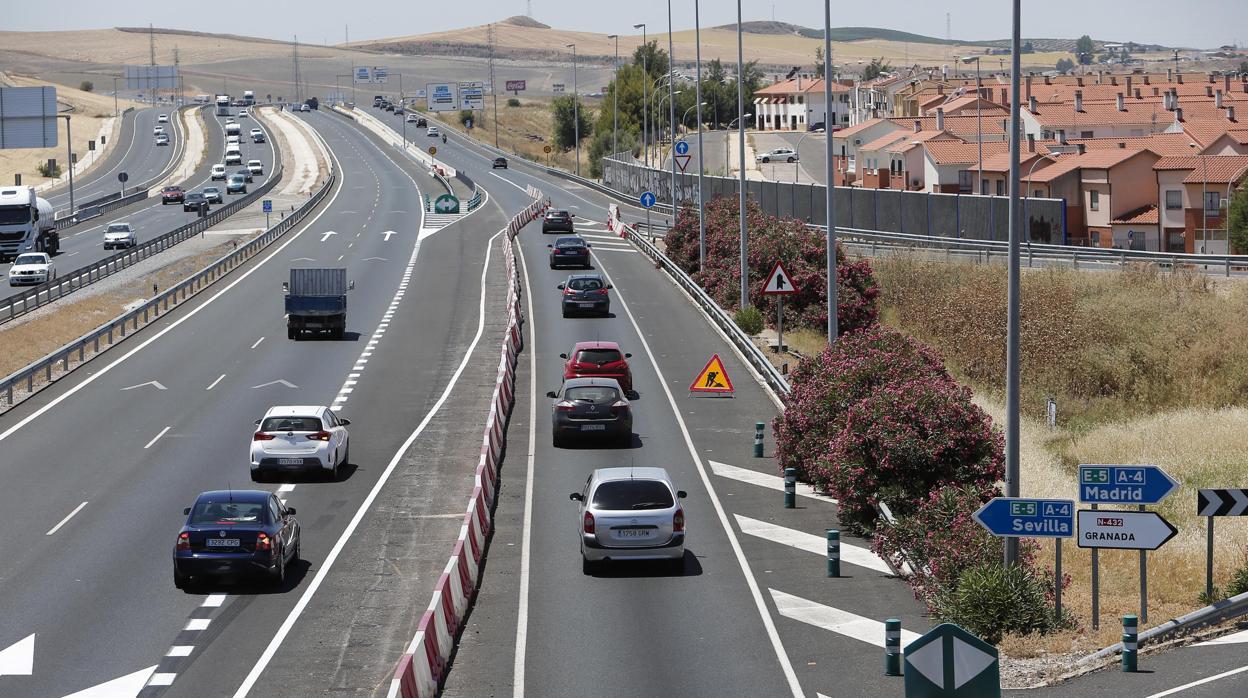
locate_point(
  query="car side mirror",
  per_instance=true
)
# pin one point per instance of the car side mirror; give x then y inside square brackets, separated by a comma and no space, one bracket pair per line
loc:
[345,422]
[563,356]
[681,494]
[186,511]
[628,356]
[285,289]
[588,245]
[350,285]
[257,422]
[551,394]
[576,497]
[610,286]
[560,287]
[551,246]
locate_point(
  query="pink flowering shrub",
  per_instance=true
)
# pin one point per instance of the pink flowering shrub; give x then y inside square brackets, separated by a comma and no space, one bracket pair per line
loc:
[803,252]
[827,385]
[904,441]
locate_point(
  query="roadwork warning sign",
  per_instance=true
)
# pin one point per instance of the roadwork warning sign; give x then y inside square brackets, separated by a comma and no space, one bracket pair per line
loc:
[713,378]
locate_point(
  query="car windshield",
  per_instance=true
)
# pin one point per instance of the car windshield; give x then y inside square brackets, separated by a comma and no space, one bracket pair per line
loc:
[569,242]
[118,228]
[227,513]
[28,259]
[585,284]
[291,424]
[632,494]
[596,394]
[211,190]
[237,178]
[598,356]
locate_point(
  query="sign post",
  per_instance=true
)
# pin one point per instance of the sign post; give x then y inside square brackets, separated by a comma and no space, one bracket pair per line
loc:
[1032,518]
[122,177]
[647,202]
[267,206]
[779,284]
[1211,503]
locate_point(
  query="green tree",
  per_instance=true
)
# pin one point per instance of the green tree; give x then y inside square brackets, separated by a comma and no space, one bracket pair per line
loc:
[875,69]
[564,129]
[1237,214]
[1028,48]
[86,86]
[1084,49]
[1243,67]
[818,61]
[1065,64]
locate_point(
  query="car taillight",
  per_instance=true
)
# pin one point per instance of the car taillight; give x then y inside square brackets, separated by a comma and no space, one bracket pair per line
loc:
[678,521]
[263,542]
[618,407]
[588,523]
[563,406]
[601,291]
[569,292]
[184,541]
[261,436]
[319,436]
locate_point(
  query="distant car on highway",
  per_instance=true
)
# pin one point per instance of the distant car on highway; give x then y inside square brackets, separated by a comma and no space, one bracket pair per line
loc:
[172,195]
[162,139]
[304,107]
[257,136]
[399,110]
[162,119]
[193,200]
[118,235]
[433,131]
[557,222]
[779,154]
[31,268]
[586,294]
[590,407]
[599,360]
[255,167]
[299,437]
[569,252]
[499,163]
[213,195]
[232,140]
[218,172]
[242,114]
[816,127]
[411,119]
[158,130]
[630,514]
[235,533]
[236,184]
[421,122]
[245,173]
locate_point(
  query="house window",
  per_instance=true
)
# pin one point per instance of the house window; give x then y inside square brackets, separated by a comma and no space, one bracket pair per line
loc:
[983,187]
[1213,202]
[1094,200]
[1085,134]
[1046,135]
[1039,193]
[801,99]
[1000,187]
[965,181]
[1174,200]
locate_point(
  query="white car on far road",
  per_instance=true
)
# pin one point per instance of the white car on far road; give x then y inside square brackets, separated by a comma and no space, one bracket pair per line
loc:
[299,437]
[778,155]
[242,114]
[162,119]
[31,268]
[255,167]
[118,235]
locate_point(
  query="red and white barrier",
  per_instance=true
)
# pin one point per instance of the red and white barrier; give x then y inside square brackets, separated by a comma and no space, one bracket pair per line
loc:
[422,669]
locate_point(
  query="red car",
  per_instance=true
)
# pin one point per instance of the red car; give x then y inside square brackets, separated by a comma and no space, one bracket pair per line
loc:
[599,360]
[172,195]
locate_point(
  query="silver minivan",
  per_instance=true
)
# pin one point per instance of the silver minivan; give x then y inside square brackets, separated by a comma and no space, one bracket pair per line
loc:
[630,514]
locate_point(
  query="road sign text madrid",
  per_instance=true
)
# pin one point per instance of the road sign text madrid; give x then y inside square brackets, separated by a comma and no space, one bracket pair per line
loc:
[1124,484]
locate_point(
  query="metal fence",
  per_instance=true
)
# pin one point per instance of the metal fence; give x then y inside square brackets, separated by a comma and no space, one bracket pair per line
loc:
[47,370]
[62,286]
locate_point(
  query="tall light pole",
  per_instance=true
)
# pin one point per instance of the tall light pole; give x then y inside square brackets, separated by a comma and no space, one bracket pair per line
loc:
[1204,206]
[69,161]
[671,85]
[747,115]
[615,118]
[697,40]
[829,189]
[116,108]
[979,121]
[745,257]
[645,78]
[1012,322]
[576,111]
[671,98]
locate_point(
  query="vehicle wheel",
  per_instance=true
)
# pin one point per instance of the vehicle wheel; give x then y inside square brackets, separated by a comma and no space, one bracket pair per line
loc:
[677,566]
[588,566]
[290,333]
[556,441]
[294,557]
[625,440]
[337,333]
[790,160]
[180,581]
[279,575]
[765,161]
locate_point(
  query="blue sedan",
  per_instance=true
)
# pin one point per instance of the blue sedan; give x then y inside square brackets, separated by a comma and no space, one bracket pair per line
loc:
[236,533]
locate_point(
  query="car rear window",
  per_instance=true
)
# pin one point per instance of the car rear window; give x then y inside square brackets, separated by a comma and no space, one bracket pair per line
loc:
[291,424]
[591,393]
[632,494]
[227,513]
[584,284]
[569,242]
[598,356]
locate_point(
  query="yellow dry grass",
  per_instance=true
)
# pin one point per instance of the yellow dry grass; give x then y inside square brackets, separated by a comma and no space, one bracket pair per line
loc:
[516,124]
[131,48]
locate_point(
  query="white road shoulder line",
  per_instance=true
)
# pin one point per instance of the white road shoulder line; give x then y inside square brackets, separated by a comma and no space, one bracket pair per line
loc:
[852,554]
[1233,639]
[214,383]
[66,519]
[772,482]
[526,536]
[835,620]
[157,437]
[1201,682]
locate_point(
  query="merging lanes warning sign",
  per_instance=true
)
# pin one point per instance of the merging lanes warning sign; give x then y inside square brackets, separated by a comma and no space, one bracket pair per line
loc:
[712,378]
[779,282]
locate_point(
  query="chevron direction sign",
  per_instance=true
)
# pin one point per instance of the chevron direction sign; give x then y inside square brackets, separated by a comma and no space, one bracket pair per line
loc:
[1229,502]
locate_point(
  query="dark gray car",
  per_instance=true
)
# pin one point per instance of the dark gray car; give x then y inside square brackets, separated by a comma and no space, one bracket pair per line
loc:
[586,294]
[591,407]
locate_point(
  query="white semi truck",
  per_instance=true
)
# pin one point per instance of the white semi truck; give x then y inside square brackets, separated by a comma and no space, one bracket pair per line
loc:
[249,97]
[26,223]
[223,105]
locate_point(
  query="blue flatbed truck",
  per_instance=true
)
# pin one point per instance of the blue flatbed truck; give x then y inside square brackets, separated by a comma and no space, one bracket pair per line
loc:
[316,302]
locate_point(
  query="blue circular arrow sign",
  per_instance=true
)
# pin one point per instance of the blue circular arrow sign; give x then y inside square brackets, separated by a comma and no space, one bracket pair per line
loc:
[647,199]
[682,148]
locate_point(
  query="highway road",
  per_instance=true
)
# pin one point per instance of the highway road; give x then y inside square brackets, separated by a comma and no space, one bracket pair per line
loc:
[83,244]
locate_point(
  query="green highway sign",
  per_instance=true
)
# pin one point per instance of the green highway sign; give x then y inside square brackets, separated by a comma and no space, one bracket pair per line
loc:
[447,203]
[949,662]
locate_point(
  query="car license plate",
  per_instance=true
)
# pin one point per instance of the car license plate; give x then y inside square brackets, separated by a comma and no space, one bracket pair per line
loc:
[585,305]
[593,427]
[290,461]
[632,533]
[222,542]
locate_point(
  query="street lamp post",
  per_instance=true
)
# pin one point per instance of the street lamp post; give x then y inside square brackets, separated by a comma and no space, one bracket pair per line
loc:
[656,130]
[745,260]
[1031,170]
[69,161]
[672,153]
[576,111]
[1204,205]
[727,128]
[797,153]
[645,78]
[116,108]
[979,121]
[829,189]
[1012,294]
[697,40]
[671,94]
[615,118]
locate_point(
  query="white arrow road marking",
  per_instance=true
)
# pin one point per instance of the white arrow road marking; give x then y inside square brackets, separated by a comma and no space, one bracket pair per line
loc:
[155,384]
[388,233]
[772,482]
[18,659]
[371,259]
[326,234]
[279,381]
[834,619]
[853,554]
[303,259]
[123,687]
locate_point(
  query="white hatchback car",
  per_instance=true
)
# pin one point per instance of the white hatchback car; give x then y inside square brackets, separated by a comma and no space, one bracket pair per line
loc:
[778,155]
[255,167]
[242,114]
[158,130]
[31,268]
[630,514]
[300,437]
[162,119]
[218,172]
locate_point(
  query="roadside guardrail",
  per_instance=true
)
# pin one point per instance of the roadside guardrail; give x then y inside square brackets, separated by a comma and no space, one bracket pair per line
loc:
[45,371]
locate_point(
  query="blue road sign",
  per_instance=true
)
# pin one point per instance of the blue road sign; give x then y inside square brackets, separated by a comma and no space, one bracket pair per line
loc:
[1124,484]
[267,204]
[682,147]
[647,199]
[1028,518]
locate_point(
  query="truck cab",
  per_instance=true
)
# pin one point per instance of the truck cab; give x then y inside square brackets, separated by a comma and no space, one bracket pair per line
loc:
[316,302]
[26,223]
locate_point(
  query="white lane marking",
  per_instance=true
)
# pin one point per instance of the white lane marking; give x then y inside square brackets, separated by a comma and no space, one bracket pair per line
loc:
[522,615]
[66,519]
[1201,682]
[614,249]
[162,679]
[517,186]
[853,554]
[835,620]
[214,383]
[71,254]
[192,313]
[157,437]
[1233,639]
[257,343]
[128,685]
[180,651]
[286,488]
[198,624]
[771,482]
[18,659]
[769,624]
[214,601]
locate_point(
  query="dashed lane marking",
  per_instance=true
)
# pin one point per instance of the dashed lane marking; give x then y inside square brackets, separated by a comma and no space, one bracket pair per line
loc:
[157,437]
[65,520]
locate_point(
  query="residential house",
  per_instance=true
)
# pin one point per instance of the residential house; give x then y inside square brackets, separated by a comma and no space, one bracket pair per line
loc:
[1193,193]
[794,104]
[895,160]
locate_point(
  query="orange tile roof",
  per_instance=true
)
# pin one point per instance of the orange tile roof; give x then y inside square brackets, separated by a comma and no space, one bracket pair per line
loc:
[1144,215]
[951,152]
[883,141]
[914,140]
[1064,164]
[1222,169]
[790,86]
[1206,131]
[956,104]
[1177,162]
[858,128]
[1161,143]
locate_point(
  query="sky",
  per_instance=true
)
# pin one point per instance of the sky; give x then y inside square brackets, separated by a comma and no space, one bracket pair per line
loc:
[1193,23]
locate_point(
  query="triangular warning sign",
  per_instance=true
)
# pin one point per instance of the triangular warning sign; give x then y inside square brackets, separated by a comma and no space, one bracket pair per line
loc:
[712,378]
[779,282]
[682,161]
